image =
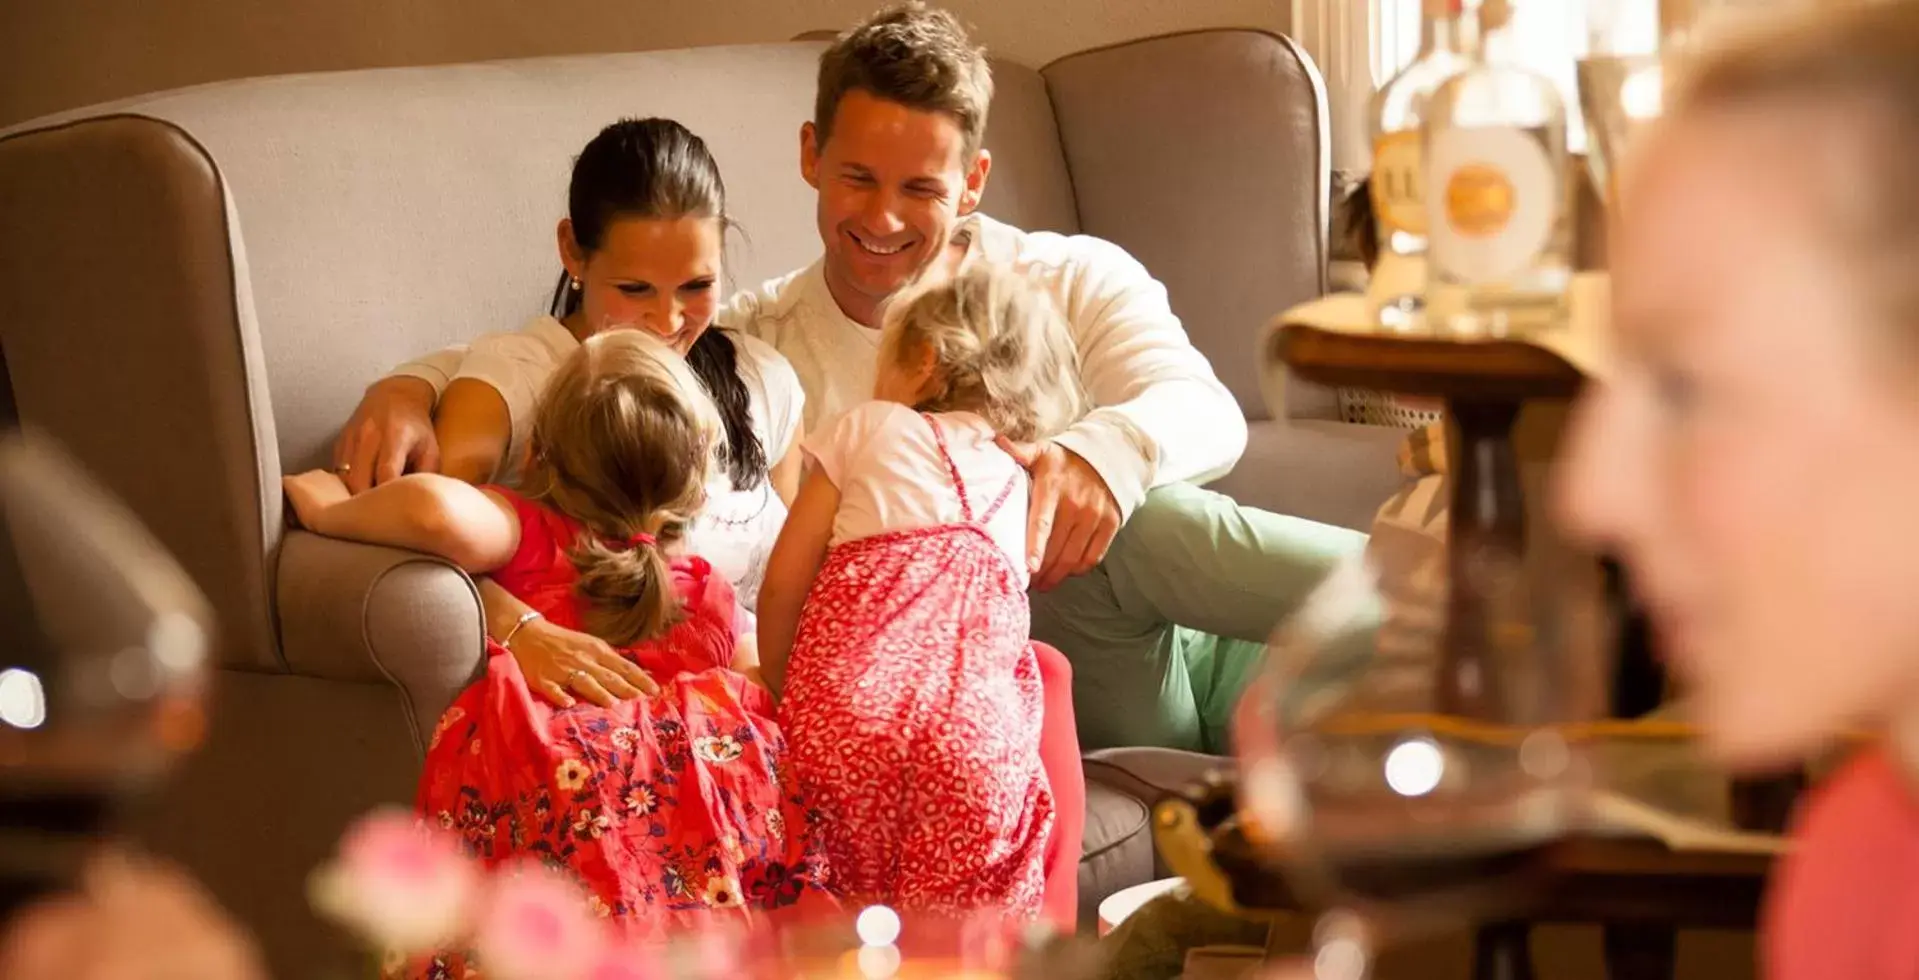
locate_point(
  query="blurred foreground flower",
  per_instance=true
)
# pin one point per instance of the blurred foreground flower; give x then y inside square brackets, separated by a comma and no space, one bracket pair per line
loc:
[534,926]
[398,884]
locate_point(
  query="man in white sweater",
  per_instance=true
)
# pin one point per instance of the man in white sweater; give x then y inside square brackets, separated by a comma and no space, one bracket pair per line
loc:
[1160,594]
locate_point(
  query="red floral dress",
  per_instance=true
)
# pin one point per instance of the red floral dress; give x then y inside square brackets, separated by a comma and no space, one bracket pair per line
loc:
[669,808]
[913,709]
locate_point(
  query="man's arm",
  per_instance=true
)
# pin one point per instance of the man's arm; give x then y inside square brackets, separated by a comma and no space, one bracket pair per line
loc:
[1161,415]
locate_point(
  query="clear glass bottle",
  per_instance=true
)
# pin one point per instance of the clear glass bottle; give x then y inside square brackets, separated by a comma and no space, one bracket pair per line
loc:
[1499,206]
[1397,288]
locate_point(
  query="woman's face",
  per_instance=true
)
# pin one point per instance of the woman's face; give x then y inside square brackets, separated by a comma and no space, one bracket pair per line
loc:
[1755,457]
[661,276]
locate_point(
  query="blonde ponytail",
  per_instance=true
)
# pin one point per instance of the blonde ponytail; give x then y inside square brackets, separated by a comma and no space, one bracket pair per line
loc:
[628,590]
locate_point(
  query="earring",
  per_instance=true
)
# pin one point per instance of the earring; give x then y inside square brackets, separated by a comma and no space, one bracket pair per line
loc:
[573,284]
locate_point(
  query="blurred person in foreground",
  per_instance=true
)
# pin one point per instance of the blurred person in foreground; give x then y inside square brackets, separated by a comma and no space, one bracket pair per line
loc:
[130,919]
[1752,455]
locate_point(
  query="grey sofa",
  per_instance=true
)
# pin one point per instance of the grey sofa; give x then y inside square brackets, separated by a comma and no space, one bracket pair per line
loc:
[195,286]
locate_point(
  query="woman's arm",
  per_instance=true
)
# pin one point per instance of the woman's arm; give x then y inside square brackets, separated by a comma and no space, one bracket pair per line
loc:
[473,428]
[467,526]
[790,571]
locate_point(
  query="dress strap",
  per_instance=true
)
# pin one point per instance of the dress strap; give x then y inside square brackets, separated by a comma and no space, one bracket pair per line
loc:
[959,486]
[1004,492]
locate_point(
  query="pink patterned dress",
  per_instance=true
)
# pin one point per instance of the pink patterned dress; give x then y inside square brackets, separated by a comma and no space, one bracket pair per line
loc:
[672,810]
[913,713]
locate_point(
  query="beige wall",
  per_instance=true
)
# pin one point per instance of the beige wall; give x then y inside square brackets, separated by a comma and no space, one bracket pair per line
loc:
[61,54]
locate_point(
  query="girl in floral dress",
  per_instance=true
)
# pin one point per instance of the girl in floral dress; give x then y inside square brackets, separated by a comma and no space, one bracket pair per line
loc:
[894,607]
[668,808]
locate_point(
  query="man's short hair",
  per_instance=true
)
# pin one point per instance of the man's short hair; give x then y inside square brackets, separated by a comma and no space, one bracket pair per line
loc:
[912,54]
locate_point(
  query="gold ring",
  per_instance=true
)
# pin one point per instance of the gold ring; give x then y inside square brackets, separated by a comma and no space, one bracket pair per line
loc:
[344,469]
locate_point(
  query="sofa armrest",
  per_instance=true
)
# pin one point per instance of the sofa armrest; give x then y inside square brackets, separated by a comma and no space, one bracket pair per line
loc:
[1121,787]
[360,613]
[1146,774]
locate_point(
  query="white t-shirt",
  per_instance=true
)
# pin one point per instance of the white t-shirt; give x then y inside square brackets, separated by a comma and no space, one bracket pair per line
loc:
[737,530]
[886,462]
[1160,414]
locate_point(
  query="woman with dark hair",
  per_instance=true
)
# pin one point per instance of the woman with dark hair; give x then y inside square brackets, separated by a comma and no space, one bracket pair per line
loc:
[642,247]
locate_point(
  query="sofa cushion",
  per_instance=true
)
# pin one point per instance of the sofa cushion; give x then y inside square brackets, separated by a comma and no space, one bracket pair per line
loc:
[1118,848]
[1122,786]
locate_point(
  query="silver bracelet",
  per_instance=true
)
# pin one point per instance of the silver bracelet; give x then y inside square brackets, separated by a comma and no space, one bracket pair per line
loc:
[525,618]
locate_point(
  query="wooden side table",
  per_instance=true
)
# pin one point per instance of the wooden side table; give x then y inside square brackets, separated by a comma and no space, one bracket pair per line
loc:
[1483,386]
[1639,890]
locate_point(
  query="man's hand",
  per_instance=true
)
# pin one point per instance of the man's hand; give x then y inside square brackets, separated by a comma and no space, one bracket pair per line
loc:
[390,434]
[1072,516]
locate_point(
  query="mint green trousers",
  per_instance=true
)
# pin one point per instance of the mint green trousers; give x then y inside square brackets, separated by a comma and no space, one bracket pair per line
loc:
[1167,631]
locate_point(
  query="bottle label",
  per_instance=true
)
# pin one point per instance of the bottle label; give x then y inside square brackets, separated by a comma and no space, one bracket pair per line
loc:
[1399,197]
[1495,202]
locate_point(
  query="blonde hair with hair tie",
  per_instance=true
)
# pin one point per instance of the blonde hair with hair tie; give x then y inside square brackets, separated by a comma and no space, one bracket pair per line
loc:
[624,441]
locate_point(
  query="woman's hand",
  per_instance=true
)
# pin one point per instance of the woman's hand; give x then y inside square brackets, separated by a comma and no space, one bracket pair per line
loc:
[390,434]
[312,492]
[133,920]
[559,663]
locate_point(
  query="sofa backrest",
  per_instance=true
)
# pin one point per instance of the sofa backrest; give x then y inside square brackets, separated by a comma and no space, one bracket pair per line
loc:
[371,216]
[196,286]
[387,212]
[1206,155]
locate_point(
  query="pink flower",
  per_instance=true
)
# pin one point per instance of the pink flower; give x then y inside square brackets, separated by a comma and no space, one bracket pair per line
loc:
[397,883]
[535,927]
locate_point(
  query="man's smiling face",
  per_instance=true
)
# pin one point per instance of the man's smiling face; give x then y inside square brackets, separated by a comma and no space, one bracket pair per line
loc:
[893,182]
